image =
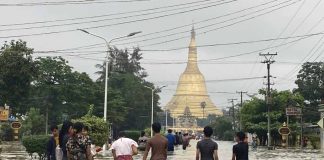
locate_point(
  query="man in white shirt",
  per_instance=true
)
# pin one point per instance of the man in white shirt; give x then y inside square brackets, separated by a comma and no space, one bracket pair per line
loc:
[124,148]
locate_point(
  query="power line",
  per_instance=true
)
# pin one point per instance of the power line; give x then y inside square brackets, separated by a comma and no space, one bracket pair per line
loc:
[99,16]
[202,21]
[256,51]
[241,54]
[159,62]
[66,3]
[290,20]
[279,35]
[93,45]
[231,24]
[215,80]
[306,17]
[125,22]
[237,43]
[295,69]
[198,46]
[174,28]
[108,19]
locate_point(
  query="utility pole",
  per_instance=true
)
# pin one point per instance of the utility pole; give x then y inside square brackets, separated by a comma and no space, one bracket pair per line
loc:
[268,60]
[232,101]
[241,106]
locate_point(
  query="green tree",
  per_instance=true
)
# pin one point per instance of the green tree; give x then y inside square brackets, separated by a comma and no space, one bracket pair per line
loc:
[310,82]
[58,90]
[126,77]
[16,73]
[34,124]
[223,126]
[121,61]
[254,113]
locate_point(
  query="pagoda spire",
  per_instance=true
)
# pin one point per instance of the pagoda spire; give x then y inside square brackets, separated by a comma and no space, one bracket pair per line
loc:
[191,90]
[192,66]
[193,33]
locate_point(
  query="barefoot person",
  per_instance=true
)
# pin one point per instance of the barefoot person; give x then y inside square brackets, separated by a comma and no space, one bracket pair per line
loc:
[158,144]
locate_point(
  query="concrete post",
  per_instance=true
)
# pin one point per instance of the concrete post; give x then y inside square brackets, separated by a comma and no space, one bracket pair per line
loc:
[321,110]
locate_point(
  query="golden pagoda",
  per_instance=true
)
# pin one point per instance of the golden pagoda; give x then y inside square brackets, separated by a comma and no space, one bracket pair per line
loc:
[191,91]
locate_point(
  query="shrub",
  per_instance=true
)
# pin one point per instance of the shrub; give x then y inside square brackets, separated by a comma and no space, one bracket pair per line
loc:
[147,131]
[6,132]
[133,134]
[228,136]
[36,144]
[315,141]
[98,129]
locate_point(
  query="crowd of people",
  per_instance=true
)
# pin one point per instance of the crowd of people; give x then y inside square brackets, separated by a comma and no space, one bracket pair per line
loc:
[72,142]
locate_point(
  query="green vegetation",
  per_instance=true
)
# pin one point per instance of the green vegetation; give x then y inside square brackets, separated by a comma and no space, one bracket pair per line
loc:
[47,91]
[310,82]
[6,133]
[36,144]
[223,128]
[34,123]
[133,134]
[49,87]
[254,114]
[98,128]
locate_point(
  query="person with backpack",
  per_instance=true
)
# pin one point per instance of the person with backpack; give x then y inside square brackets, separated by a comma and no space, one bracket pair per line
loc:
[78,146]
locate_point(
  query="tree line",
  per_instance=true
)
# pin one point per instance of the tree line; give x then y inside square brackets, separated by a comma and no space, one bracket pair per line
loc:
[57,92]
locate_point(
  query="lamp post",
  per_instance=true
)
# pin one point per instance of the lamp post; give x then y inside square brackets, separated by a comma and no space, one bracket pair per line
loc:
[107,61]
[152,89]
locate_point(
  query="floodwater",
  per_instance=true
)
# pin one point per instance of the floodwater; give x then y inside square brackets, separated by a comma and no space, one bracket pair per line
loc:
[224,152]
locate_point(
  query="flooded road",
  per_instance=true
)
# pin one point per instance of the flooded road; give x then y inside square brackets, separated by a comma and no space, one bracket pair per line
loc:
[224,152]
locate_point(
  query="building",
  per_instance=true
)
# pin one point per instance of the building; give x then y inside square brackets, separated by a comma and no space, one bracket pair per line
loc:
[191,97]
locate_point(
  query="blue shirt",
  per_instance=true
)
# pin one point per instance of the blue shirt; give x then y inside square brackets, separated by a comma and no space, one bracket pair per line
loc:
[171,141]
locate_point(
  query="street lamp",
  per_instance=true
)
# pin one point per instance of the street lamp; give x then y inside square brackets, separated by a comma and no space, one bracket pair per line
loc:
[152,89]
[107,61]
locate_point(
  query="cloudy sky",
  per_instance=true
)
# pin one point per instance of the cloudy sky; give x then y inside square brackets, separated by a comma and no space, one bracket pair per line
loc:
[230,36]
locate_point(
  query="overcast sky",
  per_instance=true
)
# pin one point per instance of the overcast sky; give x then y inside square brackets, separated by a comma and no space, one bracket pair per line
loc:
[50,25]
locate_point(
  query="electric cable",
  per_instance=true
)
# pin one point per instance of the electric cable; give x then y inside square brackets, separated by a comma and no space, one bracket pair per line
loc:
[125,22]
[106,19]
